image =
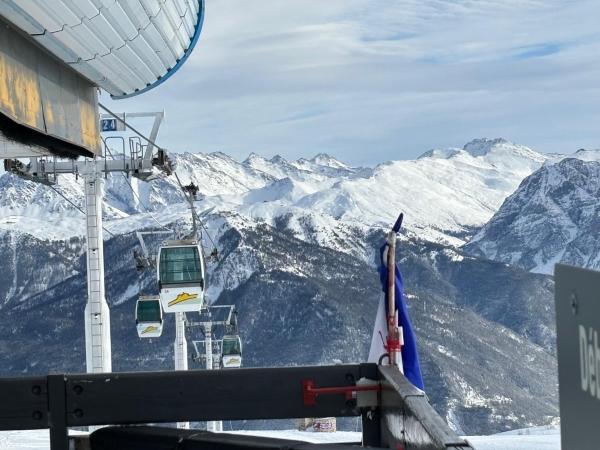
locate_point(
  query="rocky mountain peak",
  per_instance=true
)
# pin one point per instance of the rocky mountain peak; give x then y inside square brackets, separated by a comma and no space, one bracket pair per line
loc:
[253,157]
[323,159]
[278,159]
[483,146]
[552,217]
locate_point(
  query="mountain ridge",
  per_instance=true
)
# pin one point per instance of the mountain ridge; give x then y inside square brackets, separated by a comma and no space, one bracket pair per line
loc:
[551,218]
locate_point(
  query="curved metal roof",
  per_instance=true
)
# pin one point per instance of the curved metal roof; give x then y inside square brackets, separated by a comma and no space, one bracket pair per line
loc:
[124,46]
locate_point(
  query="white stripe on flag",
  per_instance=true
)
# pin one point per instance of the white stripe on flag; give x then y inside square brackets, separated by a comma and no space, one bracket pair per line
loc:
[377,348]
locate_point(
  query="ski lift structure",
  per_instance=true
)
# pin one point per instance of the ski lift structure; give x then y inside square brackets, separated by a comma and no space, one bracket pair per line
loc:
[145,163]
[180,267]
[212,351]
[231,345]
[209,350]
[148,317]
[180,264]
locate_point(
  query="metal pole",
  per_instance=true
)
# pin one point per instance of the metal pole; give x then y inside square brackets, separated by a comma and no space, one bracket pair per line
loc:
[208,356]
[391,289]
[97,314]
[181,355]
[394,341]
[181,361]
[158,117]
[208,346]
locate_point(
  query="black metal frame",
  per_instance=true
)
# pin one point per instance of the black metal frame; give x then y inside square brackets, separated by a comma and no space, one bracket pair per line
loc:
[401,414]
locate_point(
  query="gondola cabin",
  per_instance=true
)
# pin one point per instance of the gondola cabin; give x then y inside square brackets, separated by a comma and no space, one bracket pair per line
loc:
[231,351]
[148,317]
[181,276]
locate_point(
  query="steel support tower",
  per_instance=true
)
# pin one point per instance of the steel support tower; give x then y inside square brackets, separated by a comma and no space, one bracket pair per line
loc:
[207,324]
[140,163]
[97,315]
[180,352]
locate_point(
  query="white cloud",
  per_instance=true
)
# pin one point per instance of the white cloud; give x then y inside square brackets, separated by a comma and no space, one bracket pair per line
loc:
[369,80]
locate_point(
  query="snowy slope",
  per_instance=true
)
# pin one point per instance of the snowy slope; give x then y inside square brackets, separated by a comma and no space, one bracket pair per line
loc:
[553,217]
[445,194]
[587,155]
[442,197]
[526,439]
[537,438]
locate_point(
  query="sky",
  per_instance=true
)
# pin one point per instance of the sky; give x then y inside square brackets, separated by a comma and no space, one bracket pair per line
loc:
[374,80]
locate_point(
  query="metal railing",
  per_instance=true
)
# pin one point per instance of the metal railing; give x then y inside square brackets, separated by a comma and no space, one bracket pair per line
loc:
[394,413]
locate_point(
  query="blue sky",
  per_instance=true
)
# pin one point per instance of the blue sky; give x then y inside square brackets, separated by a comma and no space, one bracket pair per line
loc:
[374,80]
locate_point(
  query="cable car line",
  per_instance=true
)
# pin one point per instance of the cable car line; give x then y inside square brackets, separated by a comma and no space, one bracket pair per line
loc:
[181,270]
[195,217]
[215,252]
[190,200]
[75,206]
[136,195]
[145,207]
[181,273]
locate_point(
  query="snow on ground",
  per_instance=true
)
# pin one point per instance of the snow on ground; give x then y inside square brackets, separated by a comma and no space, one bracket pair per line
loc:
[25,440]
[307,436]
[42,224]
[539,438]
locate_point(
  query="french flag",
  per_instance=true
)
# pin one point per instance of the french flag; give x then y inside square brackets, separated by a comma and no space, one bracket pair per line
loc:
[410,358]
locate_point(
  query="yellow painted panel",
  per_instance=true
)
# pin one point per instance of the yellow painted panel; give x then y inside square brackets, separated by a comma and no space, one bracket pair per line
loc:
[27,93]
[6,98]
[43,93]
[89,125]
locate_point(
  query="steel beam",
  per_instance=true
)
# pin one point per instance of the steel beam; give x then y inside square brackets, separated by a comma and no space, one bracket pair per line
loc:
[57,413]
[97,314]
[40,167]
[23,403]
[169,396]
[202,395]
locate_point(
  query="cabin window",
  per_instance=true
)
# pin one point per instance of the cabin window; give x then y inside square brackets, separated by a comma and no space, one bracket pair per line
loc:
[180,265]
[148,311]
[231,347]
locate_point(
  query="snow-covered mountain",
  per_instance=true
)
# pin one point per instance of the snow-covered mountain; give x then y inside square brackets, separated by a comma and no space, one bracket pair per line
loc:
[298,243]
[553,217]
[445,194]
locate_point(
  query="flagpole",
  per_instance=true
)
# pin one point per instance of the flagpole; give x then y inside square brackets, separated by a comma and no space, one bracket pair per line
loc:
[393,340]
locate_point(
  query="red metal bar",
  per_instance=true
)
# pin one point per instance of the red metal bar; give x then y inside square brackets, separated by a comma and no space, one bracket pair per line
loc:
[310,392]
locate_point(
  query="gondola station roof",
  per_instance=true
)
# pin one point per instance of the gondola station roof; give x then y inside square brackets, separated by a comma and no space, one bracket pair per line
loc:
[125,47]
